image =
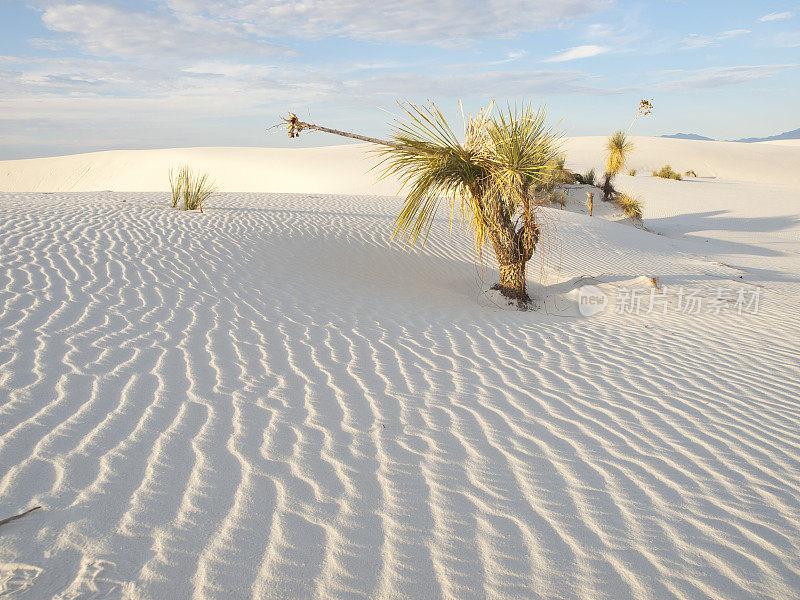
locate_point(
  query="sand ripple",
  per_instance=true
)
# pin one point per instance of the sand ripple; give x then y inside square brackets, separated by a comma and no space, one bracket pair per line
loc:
[268,401]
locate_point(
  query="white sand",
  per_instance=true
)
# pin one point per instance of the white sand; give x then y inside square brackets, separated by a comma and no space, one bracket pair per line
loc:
[271,400]
[347,169]
[330,170]
[782,142]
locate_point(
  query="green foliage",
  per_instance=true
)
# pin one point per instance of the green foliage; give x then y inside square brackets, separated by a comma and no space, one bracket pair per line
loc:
[618,148]
[588,178]
[560,173]
[632,172]
[630,205]
[552,197]
[488,178]
[177,181]
[666,172]
[199,188]
[190,188]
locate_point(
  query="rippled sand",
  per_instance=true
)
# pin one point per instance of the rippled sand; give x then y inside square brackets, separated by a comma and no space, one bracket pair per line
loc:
[269,400]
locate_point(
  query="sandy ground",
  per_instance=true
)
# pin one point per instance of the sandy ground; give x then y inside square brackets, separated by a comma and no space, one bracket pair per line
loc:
[783,142]
[349,169]
[274,400]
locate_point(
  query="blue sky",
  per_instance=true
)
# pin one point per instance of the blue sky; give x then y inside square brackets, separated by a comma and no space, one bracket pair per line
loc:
[79,76]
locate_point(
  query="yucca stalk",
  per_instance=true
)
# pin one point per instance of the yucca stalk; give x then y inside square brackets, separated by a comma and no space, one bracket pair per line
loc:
[618,148]
[489,180]
[644,109]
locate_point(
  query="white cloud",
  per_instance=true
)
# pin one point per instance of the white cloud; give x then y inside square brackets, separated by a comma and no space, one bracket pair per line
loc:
[487,84]
[192,28]
[694,40]
[78,104]
[110,30]
[185,61]
[627,29]
[775,16]
[102,90]
[578,52]
[787,39]
[438,22]
[732,33]
[723,76]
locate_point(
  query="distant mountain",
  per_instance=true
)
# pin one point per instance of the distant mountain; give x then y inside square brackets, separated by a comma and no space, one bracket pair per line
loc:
[786,135]
[688,136]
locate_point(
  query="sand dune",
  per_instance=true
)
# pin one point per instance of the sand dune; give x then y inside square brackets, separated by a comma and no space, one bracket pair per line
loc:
[347,169]
[332,170]
[732,161]
[273,400]
[783,142]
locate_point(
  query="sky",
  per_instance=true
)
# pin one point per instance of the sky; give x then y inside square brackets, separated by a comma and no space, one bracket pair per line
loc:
[81,76]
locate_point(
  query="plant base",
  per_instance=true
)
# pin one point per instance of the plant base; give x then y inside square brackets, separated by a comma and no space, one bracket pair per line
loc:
[512,283]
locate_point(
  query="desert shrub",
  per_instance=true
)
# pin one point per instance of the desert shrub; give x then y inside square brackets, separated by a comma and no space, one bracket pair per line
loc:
[632,172]
[553,197]
[666,172]
[193,189]
[588,178]
[560,173]
[630,205]
[199,188]
[177,182]
[690,173]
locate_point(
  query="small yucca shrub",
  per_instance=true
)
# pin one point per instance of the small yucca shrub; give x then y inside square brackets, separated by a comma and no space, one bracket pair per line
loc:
[666,172]
[190,190]
[690,173]
[588,178]
[630,205]
[632,172]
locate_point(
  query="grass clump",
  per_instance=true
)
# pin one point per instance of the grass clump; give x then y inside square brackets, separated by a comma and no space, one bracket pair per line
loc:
[632,172]
[560,174]
[177,180]
[666,172]
[190,190]
[552,197]
[630,205]
[588,178]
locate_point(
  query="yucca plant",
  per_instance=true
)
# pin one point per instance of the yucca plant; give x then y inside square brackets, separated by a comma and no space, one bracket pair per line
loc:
[630,205]
[491,179]
[618,147]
